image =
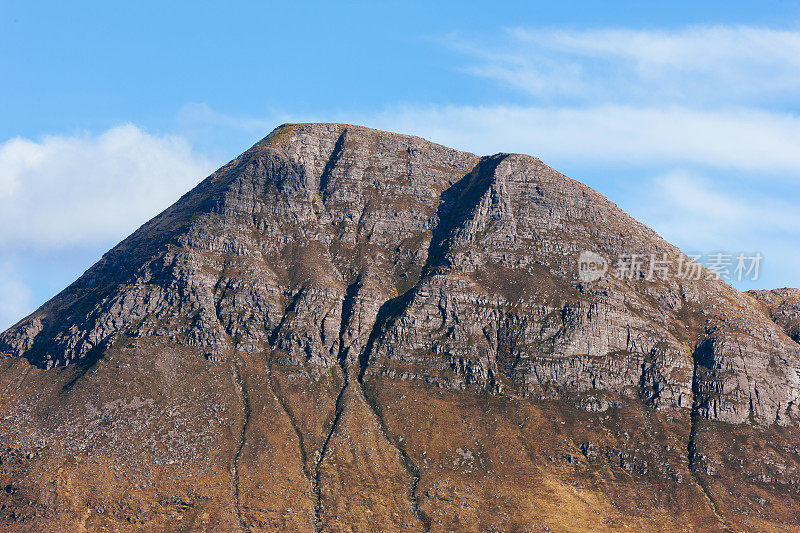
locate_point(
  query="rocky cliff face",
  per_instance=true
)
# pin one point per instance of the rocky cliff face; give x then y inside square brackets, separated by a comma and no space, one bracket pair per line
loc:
[783,306]
[344,328]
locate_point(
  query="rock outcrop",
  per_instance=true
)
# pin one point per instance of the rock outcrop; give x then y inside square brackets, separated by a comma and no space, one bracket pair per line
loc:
[783,306]
[345,327]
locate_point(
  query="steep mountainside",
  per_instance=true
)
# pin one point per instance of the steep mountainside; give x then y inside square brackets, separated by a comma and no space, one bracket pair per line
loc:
[783,306]
[346,329]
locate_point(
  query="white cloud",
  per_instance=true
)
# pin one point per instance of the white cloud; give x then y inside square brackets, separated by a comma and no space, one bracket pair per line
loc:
[690,206]
[742,139]
[709,64]
[702,214]
[16,300]
[68,190]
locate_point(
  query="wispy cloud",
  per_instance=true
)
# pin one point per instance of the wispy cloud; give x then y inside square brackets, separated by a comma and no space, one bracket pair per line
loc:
[705,215]
[705,212]
[67,190]
[702,64]
[717,212]
[746,139]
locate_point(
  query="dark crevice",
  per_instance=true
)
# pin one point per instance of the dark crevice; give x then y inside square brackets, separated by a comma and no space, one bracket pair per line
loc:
[325,178]
[389,310]
[701,358]
[87,363]
[246,412]
[694,416]
[338,409]
[348,305]
[345,363]
[301,442]
[219,292]
[651,380]
[408,463]
[455,206]
[273,338]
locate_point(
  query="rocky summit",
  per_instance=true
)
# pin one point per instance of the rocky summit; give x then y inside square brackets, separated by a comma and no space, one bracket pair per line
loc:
[346,329]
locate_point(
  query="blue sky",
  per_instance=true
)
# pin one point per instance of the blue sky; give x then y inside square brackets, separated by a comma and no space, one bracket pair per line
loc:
[686,115]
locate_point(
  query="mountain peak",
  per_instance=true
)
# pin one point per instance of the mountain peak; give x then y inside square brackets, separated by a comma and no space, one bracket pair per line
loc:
[308,309]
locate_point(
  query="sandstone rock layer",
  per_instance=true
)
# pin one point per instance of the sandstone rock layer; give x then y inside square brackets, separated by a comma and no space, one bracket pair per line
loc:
[345,329]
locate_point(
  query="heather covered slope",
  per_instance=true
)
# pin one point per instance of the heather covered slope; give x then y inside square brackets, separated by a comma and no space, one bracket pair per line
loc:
[348,329]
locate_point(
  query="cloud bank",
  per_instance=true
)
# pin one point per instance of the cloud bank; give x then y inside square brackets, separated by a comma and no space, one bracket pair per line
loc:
[67,190]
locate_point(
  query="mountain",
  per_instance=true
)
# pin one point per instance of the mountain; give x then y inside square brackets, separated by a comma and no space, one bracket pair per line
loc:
[346,329]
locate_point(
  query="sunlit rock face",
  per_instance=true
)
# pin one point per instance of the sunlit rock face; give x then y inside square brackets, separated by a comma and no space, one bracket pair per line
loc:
[349,329]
